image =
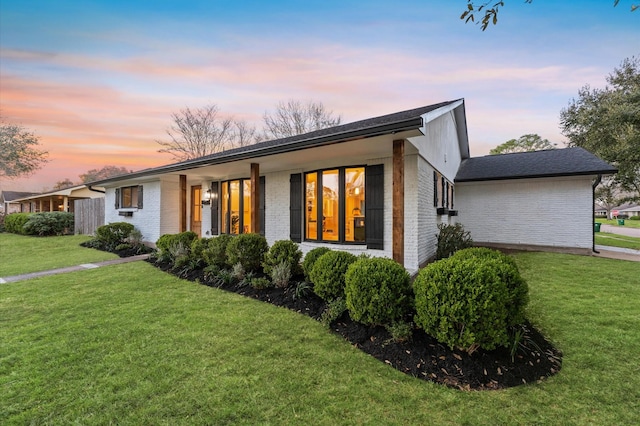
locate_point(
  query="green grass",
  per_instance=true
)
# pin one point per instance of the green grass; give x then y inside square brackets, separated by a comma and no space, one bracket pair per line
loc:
[616,240]
[128,344]
[21,254]
[627,222]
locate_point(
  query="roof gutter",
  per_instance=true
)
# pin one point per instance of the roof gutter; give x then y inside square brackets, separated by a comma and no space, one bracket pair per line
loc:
[593,203]
[335,138]
[90,187]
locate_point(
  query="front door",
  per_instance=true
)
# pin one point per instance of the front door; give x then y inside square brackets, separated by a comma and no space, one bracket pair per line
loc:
[196,209]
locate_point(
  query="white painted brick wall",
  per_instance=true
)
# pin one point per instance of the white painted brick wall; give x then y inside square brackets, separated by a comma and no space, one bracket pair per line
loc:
[554,212]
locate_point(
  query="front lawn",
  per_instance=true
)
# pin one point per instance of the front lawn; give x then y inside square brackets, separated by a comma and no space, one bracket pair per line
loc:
[20,254]
[614,222]
[616,240]
[129,344]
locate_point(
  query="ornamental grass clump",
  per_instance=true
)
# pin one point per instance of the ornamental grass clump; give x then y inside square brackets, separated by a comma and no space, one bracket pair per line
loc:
[328,274]
[470,300]
[378,291]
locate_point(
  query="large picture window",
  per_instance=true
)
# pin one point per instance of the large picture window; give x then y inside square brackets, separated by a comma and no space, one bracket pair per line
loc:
[236,206]
[335,207]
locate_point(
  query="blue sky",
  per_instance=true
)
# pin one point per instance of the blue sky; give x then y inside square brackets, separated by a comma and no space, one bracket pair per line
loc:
[97,81]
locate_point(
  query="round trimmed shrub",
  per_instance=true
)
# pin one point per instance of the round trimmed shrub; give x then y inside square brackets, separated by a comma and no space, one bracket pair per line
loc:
[111,235]
[165,241]
[215,254]
[327,274]
[283,251]
[311,257]
[378,291]
[470,299]
[248,250]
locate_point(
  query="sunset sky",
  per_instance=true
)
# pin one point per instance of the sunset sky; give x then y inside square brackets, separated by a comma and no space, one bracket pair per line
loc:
[97,81]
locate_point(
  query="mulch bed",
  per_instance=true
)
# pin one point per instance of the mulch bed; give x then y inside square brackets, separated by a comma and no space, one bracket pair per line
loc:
[422,356]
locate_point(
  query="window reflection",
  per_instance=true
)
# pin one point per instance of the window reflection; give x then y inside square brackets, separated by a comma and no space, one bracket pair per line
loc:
[354,204]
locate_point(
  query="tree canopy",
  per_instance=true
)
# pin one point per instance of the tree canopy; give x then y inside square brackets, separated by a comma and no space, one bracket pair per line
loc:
[103,173]
[606,122]
[19,155]
[525,143]
[488,11]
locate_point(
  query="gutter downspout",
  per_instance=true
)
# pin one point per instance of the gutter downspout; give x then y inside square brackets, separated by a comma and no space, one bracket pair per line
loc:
[95,190]
[593,203]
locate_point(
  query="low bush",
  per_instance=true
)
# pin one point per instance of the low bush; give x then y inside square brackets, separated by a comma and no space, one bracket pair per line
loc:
[14,222]
[215,254]
[283,251]
[2,216]
[328,274]
[634,218]
[310,259]
[471,299]
[452,238]
[109,236]
[378,291]
[49,223]
[249,250]
[334,310]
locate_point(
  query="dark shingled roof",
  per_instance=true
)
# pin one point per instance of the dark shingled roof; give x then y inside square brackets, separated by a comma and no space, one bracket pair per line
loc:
[537,164]
[14,195]
[396,122]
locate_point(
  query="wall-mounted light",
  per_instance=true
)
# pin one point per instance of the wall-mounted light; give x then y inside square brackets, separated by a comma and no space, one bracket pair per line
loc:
[206,197]
[357,190]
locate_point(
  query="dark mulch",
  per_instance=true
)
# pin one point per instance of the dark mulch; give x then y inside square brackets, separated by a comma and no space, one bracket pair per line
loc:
[421,356]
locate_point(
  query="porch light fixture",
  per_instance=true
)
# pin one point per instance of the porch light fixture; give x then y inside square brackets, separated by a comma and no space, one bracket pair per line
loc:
[206,197]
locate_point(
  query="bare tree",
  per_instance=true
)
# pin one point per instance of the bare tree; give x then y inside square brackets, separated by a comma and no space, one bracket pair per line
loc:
[294,118]
[198,132]
[18,153]
[244,134]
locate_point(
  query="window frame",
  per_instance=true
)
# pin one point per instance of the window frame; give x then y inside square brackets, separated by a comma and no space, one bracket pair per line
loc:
[342,214]
[225,211]
[135,197]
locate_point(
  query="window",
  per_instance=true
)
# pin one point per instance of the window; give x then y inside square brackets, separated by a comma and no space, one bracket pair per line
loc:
[236,206]
[129,197]
[335,205]
[442,193]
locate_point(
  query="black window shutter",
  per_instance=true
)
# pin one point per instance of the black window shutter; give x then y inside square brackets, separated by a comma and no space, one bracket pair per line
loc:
[261,213]
[117,198]
[374,206]
[140,196]
[435,189]
[295,208]
[214,208]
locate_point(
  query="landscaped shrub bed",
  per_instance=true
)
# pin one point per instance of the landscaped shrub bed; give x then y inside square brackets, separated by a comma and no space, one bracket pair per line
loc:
[394,341]
[121,238]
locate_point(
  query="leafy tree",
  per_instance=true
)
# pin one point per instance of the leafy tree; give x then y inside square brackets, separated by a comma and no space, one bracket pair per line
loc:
[525,143]
[295,118]
[608,196]
[607,123]
[62,184]
[18,153]
[203,131]
[488,11]
[103,173]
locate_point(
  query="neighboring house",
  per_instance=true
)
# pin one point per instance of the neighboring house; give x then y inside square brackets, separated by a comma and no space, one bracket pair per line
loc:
[599,211]
[627,210]
[8,202]
[58,200]
[379,186]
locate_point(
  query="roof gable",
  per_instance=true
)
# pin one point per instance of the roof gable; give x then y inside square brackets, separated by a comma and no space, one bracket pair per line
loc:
[537,164]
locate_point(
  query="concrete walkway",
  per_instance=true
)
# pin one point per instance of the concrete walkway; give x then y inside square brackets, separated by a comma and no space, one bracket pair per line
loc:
[620,230]
[23,277]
